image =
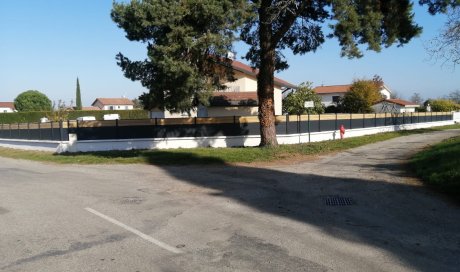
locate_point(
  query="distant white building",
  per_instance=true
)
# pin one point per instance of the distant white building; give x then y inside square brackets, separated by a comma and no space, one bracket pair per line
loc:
[7,107]
[113,104]
[395,106]
[330,95]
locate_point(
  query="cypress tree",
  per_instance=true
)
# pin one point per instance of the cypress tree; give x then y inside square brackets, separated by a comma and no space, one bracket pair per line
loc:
[78,105]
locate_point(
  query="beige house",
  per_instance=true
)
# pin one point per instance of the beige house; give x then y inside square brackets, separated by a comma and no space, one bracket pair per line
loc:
[7,107]
[330,95]
[238,99]
[113,104]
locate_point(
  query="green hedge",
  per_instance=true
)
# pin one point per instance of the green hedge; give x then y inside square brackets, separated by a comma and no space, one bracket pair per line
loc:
[124,114]
[34,116]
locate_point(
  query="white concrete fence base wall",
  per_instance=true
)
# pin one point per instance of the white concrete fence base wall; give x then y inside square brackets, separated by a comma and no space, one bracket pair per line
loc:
[190,142]
[50,146]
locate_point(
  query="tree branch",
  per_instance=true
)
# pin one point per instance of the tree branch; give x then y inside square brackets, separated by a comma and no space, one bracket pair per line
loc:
[287,23]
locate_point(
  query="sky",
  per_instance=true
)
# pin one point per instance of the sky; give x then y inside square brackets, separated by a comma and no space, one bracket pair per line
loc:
[46,44]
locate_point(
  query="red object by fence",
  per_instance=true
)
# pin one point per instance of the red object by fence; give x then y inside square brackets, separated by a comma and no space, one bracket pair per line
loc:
[342,131]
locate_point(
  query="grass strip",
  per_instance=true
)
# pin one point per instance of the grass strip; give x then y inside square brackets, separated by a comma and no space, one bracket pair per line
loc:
[439,167]
[202,156]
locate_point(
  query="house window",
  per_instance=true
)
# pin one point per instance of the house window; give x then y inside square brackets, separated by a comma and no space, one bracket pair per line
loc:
[335,98]
[111,107]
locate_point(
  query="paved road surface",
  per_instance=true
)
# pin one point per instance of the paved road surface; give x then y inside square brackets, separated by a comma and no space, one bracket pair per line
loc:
[229,218]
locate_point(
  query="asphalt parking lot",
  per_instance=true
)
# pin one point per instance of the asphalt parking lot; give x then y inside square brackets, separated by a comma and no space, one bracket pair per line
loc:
[353,211]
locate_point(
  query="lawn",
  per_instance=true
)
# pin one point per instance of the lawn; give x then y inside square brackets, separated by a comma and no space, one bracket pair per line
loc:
[210,155]
[439,166]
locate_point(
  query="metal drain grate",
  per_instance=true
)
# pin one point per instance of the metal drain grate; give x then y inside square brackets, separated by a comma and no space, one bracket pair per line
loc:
[335,200]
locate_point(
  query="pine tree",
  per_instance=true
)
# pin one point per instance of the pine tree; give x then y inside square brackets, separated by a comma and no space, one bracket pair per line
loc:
[186,39]
[78,105]
[187,46]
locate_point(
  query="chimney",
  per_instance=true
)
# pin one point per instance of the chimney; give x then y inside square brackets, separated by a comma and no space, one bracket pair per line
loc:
[231,55]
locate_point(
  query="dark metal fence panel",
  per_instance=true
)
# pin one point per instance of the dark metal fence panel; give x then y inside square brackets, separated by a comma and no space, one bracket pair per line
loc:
[380,122]
[167,131]
[293,126]
[441,117]
[327,125]
[51,131]
[207,127]
[370,120]
[314,126]
[407,118]
[356,122]
[327,122]
[281,123]
[422,118]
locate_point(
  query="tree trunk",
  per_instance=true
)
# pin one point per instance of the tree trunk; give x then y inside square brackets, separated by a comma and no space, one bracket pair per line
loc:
[265,81]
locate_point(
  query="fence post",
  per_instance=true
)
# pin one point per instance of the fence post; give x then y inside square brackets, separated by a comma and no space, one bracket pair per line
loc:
[52,131]
[335,126]
[28,130]
[404,119]
[287,123]
[77,130]
[431,117]
[10,132]
[309,127]
[385,119]
[364,120]
[61,131]
[39,131]
[19,132]
[68,129]
[298,123]
[351,119]
[319,122]
[375,119]
[117,133]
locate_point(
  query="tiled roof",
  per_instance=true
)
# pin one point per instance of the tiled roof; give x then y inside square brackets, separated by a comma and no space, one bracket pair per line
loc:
[244,68]
[7,105]
[234,99]
[114,101]
[401,102]
[332,89]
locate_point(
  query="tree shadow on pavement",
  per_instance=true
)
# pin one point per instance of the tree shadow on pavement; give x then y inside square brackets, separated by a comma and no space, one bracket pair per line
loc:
[406,221]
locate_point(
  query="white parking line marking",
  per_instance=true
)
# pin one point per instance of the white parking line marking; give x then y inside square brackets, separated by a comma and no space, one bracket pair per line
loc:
[135,231]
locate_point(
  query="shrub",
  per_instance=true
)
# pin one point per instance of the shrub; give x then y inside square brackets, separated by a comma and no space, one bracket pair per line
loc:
[362,95]
[32,101]
[294,102]
[443,105]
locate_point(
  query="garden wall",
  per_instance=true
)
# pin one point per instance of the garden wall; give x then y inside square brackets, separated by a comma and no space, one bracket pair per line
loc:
[83,136]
